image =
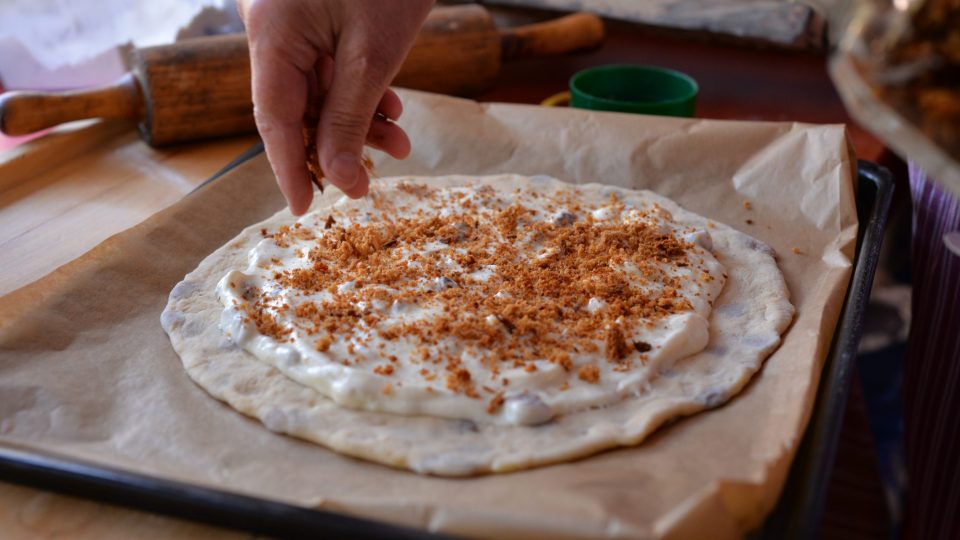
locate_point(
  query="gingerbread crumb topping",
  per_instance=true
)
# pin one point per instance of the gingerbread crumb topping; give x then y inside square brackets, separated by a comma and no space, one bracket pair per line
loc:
[589,373]
[515,288]
[616,345]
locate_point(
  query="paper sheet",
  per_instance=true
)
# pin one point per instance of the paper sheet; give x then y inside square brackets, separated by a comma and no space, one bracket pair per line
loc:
[87,372]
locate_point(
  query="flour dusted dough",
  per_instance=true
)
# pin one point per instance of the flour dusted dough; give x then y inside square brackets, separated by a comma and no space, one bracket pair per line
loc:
[745,326]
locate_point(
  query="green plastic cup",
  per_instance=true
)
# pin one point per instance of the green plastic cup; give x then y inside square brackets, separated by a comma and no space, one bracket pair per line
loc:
[634,89]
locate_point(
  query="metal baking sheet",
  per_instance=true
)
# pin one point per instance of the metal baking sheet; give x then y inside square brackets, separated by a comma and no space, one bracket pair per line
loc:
[799,512]
[796,516]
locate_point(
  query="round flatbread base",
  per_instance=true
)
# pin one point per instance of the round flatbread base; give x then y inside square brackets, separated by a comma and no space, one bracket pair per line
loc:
[745,327]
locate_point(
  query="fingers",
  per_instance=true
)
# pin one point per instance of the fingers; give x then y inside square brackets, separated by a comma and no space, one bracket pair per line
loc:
[357,191]
[357,88]
[279,97]
[389,137]
[290,44]
[390,105]
[383,134]
[370,47]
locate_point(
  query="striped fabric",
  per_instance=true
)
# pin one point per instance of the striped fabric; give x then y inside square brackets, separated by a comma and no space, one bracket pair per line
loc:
[932,380]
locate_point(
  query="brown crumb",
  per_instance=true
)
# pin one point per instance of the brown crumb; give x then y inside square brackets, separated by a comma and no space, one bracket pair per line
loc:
[616,349]
[311,117]
[589,373]
[562,359]
[387,389]
[506,323]
[459,380]
[323,344]
[795,250]
[749,222]
[386,369]
[495,403]
[329,223]
[747,205]
[642,346]
[368,165]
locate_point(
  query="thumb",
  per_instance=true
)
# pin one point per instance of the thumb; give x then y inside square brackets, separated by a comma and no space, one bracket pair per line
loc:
[348,109]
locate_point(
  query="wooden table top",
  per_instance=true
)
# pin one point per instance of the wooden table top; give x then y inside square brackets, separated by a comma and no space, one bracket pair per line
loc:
[63,194]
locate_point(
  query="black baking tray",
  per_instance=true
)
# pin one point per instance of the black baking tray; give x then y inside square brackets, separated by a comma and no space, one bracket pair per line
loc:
[797,514]
[800,508]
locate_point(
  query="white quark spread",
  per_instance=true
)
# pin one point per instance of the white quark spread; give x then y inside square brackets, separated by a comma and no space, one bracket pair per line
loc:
[472,303]
[459,325]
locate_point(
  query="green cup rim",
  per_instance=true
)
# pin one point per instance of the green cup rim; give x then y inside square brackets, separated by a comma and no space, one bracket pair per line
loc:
[683,98]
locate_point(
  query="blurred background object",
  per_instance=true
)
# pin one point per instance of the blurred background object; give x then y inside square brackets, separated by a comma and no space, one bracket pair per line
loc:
[50,44]
[897,67]
[772,23]
[200,88]
[60,45]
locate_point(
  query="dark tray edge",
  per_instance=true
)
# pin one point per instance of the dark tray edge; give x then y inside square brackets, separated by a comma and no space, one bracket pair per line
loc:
[187,501]
[799,511]
[796,515]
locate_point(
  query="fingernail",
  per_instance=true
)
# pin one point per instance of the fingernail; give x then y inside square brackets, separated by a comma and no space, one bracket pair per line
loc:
[345,169]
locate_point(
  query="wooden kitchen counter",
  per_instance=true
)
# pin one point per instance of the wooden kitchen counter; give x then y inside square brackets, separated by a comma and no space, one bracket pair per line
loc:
[62,194]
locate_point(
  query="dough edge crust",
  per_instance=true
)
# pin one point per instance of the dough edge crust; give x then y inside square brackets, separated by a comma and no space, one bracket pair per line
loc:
[746,324]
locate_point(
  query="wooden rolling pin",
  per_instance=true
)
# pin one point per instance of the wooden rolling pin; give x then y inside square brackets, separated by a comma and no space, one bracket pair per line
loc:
[200,88]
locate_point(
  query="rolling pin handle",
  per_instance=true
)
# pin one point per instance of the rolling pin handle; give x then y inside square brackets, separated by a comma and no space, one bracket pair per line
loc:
[575,32]
[25,112]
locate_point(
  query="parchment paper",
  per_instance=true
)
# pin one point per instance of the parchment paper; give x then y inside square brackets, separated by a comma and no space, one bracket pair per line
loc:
[87,372]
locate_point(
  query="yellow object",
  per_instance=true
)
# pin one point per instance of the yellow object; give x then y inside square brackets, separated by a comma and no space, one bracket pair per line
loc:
[557,100]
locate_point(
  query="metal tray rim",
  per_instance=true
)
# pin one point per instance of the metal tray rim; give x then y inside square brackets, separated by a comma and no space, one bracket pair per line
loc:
[797,514]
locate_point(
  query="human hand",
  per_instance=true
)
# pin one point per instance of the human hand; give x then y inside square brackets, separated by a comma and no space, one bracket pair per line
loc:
[342,53]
